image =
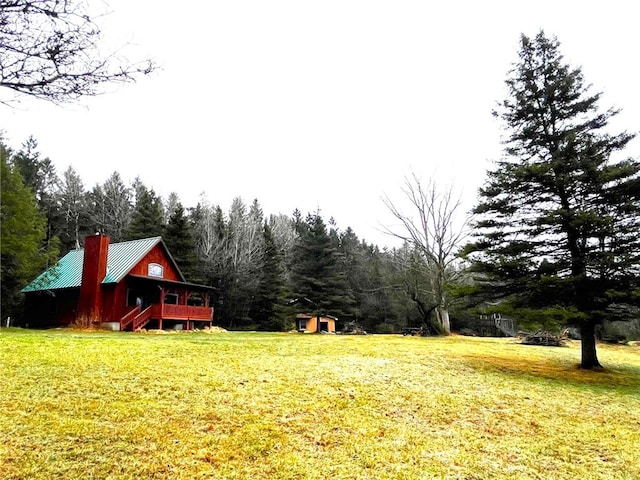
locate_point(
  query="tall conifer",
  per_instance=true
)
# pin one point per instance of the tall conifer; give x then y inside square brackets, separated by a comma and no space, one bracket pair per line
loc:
[22,256]
[179,239]
[316,272]
[147,219]
[559,216]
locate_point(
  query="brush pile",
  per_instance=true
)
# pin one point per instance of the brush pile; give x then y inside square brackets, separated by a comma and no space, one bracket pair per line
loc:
[542,337]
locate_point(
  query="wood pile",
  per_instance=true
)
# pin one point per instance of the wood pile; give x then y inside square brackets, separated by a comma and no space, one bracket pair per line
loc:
[542,337]
[353,328]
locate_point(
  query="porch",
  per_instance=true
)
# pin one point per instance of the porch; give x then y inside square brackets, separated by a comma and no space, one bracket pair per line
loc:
[162,313]
[166,306]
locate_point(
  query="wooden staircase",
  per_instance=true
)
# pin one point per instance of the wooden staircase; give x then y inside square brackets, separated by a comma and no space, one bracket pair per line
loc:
[128,318]
[136,318]
[142,318]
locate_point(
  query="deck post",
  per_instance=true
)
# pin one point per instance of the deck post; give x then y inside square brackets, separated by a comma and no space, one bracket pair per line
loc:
[185,296]
[161,308]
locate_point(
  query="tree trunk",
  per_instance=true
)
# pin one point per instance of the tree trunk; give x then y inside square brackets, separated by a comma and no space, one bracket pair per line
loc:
[443,319]
[589,355]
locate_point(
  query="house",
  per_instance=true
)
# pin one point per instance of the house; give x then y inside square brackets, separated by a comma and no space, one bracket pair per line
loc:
[127,285]
[315,324]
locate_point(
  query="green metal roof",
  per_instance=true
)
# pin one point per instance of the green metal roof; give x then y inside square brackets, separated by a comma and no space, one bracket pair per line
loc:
[67,273]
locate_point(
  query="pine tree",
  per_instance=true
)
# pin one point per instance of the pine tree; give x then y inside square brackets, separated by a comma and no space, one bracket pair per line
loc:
[559,216]
[376,308]
[269,307]
[173,200]
[179,239]
[147,219]
[22,234]
[316,272]
[40,175]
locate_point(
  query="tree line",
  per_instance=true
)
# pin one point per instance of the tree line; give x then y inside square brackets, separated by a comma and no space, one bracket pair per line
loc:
[260,265]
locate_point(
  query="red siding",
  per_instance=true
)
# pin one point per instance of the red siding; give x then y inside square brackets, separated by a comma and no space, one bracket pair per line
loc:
[119,302]
[110,304]
[157,255]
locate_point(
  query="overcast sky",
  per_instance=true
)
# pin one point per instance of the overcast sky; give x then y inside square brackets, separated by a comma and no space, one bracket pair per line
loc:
[321,105]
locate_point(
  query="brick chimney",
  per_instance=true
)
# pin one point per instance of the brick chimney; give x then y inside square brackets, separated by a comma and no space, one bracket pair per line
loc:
[94,269]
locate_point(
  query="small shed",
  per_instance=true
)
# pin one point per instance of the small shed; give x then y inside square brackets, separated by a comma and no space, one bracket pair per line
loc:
[132,285]
[306,323]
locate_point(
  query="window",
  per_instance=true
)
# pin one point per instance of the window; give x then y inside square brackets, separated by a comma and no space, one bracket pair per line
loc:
[171,298]
[155,270]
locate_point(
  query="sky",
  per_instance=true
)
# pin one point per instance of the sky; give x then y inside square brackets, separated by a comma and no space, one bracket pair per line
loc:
[321,105]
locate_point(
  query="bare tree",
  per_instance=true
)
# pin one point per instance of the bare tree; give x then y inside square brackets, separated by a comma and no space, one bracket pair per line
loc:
[284,234]
[72,199]
[170,206]
[111,207]
[230,250]
[431,227]
[210,238]
[50,49]
[245,242]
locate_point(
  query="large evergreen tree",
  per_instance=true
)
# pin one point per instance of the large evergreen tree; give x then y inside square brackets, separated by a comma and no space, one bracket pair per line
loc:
[147,219]
[559,216]
[268,308]
[179,239]
[316,271]
[23,231]
[40,175]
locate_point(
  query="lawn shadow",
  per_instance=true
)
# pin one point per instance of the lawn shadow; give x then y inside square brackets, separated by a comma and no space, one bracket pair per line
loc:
[623,377]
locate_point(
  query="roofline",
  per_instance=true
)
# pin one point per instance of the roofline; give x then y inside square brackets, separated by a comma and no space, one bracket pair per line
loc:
[175,264]
[108,280]
[197,286]
[311,315]
[159,241]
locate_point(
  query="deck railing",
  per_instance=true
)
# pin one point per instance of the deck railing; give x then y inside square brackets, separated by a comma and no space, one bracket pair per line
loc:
[128,317]
[187,312]
[142,318]
[138,319]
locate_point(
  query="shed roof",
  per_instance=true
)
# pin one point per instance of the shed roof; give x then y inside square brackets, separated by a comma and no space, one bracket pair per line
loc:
[121,258]
[313,315]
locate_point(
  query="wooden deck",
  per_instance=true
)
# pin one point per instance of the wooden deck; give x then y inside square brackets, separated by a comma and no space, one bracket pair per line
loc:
[137,318]
[181,312]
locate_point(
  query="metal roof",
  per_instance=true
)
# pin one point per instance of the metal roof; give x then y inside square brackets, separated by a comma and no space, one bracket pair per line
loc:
[67,273]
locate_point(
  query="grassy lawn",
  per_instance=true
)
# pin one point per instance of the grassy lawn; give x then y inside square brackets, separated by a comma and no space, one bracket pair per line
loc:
[112,405]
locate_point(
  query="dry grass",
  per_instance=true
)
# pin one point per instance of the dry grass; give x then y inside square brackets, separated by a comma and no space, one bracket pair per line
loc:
[286,406]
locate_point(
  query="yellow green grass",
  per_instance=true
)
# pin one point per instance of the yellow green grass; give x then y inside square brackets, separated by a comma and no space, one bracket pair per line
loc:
[111,405]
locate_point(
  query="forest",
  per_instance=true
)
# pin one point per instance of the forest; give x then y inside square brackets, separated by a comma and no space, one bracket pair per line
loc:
[260,264]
